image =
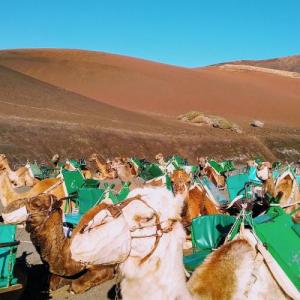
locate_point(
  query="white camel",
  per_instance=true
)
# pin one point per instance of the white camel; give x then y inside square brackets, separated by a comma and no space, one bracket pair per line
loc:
[226,274]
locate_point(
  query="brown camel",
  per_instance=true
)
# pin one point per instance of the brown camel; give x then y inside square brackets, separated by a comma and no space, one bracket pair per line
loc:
[285,189]
[125,169]
[20,177]
[105,172]
[217,179]
[87,174]
[199,204]
[8,194]
[45,225]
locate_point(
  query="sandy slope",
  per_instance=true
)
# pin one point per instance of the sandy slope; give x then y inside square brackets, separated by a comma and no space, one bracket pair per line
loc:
[289,63]
[38,118]
[140,85]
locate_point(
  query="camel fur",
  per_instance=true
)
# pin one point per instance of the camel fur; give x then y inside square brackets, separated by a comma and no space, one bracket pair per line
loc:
[285,188]
[20,177]
[104,170]
[45,225]
[9,194]
[234,271]
[154,277]
[227,273]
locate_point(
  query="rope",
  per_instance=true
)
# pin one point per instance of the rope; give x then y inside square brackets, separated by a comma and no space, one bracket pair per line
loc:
[53,187]
[26,242]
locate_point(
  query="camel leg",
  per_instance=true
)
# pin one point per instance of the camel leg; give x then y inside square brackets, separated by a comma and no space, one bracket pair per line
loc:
[94,276]
[57,282]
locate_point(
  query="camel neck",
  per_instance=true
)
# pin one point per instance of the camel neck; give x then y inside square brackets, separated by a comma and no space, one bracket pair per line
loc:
[47,233]
[7,192]
[269,187]
[5,163]
[100,165]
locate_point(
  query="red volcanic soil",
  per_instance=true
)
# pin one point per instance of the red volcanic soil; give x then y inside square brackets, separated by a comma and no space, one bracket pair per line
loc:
[289,63]
[139,85]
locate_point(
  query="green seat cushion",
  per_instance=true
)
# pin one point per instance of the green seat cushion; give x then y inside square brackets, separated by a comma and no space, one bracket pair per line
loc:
[222,167]
[218,196]
[192,261]
[281,238]
[155,170]
[7,255]
[73,180]
[91,183]
[296,228]
[88,198]
[236,183]
[36,171]
[209,231]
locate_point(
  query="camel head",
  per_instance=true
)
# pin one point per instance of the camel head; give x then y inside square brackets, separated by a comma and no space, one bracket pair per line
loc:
[264,171]
[160,158]
[180,181]
[39,208]
[93,157]
[117,162]
[123,168]
[55,158]
[202,161]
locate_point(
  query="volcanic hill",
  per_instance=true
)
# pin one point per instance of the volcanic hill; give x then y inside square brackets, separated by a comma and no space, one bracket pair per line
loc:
[77,102]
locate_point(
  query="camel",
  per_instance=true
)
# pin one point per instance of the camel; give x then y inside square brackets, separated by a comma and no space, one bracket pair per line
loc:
[160,159]
[200,203]
[124,168]
[287,184]
[55,160]
[20,177]
[145,257]
[153,267]
[45,224]
[217,179]
[226,274]
[126,172]
[197,202]
[105,172]
[8,194]
[285,189]
[87,174]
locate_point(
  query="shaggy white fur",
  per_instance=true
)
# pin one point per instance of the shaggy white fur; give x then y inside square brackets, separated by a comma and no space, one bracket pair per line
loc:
[162,275]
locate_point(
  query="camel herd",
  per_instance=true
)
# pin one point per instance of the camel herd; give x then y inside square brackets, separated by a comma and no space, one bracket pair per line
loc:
[144,237]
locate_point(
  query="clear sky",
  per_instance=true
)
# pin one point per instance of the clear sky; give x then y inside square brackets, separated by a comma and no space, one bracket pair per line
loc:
[186,33]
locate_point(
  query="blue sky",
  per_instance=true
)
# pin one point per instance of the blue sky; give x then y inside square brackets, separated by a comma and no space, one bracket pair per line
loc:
[185,33]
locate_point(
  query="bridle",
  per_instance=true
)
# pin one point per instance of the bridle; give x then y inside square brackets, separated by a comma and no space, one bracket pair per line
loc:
[117,210]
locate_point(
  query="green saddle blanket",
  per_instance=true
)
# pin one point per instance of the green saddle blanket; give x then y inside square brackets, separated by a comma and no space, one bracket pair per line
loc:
[280,237]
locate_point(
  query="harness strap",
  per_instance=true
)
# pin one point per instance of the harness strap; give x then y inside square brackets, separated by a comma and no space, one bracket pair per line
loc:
[53,187]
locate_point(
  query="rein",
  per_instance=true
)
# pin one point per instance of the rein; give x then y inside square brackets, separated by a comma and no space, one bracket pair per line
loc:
[53,186]
[159,230]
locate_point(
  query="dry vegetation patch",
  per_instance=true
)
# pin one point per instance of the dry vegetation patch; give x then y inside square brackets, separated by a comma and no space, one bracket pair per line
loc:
[199,118]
